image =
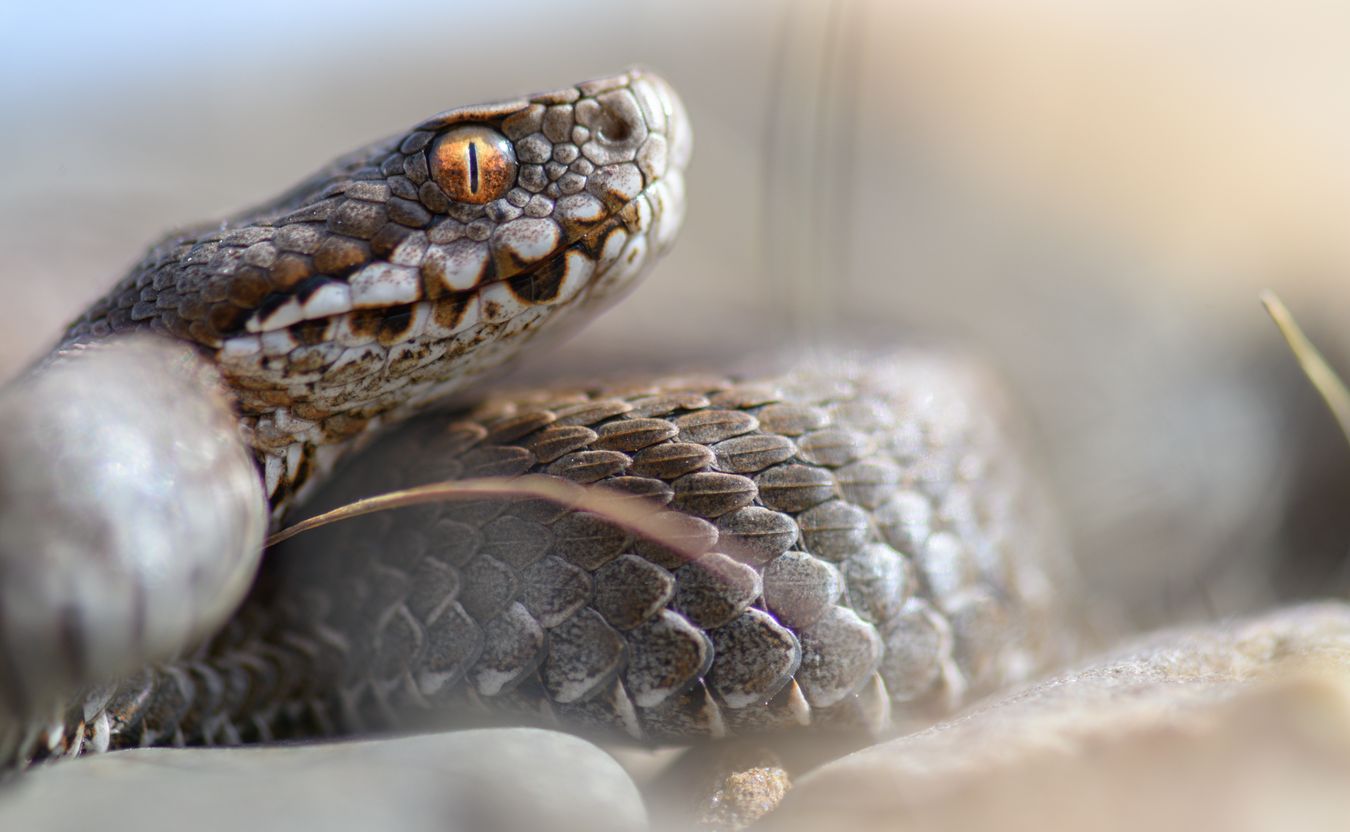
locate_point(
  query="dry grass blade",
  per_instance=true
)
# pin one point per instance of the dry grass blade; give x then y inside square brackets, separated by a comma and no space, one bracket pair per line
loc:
[1313,363]
[638,516]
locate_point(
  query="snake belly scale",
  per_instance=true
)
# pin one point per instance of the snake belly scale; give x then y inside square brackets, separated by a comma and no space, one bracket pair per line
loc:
[870,544]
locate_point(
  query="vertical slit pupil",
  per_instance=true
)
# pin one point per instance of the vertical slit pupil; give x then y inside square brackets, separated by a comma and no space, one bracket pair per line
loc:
[473,167]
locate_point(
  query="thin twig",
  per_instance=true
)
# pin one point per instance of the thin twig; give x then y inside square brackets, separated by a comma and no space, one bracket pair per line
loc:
[636,515]
[1313,363]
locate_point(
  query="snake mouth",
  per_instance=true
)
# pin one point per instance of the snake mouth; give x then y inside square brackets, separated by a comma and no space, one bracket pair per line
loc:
[320,311]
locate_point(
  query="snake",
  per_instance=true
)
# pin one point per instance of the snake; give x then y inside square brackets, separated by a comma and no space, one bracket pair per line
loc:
[858,540]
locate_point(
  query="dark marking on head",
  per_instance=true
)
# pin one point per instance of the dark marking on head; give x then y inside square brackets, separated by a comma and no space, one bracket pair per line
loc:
[449,310]
[269,305]
[366,322]
[311,285]
[434,281]
[395,325]
[310,333]
[593,244]
[541,284]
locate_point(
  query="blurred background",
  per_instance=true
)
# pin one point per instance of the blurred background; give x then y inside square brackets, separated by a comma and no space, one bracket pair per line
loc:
[1089,195]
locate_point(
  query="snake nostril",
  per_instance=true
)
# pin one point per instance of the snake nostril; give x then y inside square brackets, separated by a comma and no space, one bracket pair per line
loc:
[615,130]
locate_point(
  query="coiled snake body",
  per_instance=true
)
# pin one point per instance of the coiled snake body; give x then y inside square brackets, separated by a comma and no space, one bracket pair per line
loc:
[858,539]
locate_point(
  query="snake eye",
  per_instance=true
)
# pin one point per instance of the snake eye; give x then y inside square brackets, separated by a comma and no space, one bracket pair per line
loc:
[473,164]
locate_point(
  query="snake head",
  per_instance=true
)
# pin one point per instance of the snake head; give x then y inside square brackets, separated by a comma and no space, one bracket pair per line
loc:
[404,270]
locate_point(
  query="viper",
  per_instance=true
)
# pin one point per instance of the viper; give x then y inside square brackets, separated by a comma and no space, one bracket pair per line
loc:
[853,540]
